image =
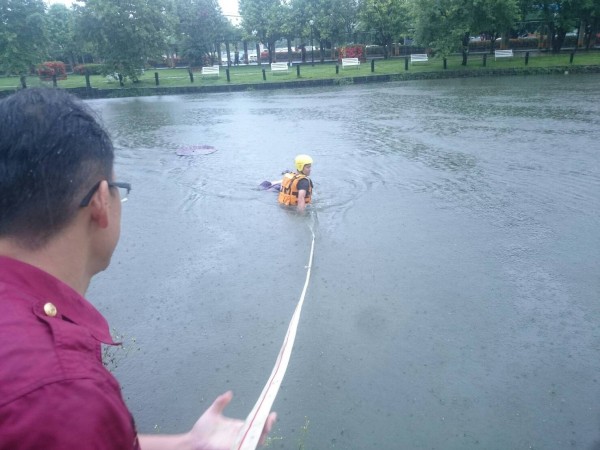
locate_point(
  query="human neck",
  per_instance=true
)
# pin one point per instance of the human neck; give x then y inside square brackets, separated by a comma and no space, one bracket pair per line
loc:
[59,258]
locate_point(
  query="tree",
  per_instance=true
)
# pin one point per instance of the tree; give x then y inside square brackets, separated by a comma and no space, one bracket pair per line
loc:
[60,24]
[261,19]
[388,18]
[559,17]
[441,24]
[590,21]
[127,33]
[336,21]
[446,25]
[494,18]
[201,24]
[23,41]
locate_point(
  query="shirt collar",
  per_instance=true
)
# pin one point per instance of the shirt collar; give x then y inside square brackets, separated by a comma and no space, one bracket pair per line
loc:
[40,286]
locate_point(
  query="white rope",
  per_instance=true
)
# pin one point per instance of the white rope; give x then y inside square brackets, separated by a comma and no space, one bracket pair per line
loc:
[250,433]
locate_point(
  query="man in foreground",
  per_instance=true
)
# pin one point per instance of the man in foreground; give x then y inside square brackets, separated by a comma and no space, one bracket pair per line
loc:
[60,215]
[296,188]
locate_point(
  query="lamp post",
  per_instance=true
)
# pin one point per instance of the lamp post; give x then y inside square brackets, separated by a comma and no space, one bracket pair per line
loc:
[312,48]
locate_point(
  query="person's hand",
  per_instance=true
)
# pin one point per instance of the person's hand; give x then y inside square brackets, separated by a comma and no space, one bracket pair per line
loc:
[214,431]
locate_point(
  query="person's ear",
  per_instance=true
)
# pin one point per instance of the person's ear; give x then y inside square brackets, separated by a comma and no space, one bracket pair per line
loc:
[100,205]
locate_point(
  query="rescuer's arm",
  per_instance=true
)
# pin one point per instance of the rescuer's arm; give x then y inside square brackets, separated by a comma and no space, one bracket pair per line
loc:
[301,200]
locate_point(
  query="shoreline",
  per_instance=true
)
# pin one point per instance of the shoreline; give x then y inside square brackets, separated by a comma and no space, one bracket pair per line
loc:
[96,93]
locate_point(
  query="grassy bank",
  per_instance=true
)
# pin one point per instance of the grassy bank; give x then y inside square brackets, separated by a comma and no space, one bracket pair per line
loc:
[478,64]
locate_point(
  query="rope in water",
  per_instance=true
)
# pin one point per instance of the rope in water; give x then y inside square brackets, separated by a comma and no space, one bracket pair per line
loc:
[251,431]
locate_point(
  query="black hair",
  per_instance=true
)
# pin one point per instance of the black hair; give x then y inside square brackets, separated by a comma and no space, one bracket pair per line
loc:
[52,152]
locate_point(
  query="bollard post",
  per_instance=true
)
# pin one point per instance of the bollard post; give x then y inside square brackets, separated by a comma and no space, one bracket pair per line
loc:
[406,63]
[526,58]
[24,81]
[191,75]
[571,57]
[298,70]
[445,63]
[372,65]
[484,59]
[264,75]
[227,73]
[54,79]
[337,69]
[87,80]
[156,78]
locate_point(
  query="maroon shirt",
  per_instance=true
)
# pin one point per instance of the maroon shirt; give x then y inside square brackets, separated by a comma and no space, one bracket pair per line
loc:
[54,391]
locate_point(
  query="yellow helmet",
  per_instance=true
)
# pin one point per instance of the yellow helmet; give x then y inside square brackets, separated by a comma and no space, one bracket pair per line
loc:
[301,161]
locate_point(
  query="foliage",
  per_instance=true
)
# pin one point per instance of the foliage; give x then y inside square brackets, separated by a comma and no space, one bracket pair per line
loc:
[261,20]
[389,18]
[125,33]
[446,25]
[563,16]
[23,40]
[60,26]
[353,51]
[91,69]
[200,25]
[49,69]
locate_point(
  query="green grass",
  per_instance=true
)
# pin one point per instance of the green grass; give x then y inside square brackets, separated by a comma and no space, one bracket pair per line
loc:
[252,74]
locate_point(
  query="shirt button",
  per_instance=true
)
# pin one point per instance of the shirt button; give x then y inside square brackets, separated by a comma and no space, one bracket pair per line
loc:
[50,309]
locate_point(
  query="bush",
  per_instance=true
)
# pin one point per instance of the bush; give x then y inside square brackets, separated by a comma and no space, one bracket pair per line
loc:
[352,51]
[92,69]
[47,70]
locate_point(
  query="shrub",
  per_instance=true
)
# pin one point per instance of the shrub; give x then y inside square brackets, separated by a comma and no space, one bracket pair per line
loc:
[92,69]
[352,51]
[48,69]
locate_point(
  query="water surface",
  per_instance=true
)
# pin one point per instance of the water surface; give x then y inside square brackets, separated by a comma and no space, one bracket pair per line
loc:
[454,294]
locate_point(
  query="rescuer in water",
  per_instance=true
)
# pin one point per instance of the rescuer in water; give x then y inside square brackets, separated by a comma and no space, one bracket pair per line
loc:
[296,188]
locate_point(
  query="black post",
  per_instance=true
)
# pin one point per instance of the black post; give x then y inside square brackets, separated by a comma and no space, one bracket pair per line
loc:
[54,79]
[372,65]
[156,78]
[24,81]
[298,70]
[264,75]
[484,59]
[571,57]
[526,58]
[191,74]
[87,80]
[227,73]
[406,63]
[445,63]
[121,80]
[337,69]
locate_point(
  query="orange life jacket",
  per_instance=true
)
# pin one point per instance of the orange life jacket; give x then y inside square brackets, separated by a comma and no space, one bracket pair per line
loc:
[288,194]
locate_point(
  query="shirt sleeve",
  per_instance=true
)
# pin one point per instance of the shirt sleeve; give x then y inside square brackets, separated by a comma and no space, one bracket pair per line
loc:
[303,184]
[75,414]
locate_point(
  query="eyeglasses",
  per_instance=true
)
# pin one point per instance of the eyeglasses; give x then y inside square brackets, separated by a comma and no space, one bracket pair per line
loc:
[124,189]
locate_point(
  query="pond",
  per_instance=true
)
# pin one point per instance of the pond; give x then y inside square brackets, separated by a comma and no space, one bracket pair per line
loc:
[453,300]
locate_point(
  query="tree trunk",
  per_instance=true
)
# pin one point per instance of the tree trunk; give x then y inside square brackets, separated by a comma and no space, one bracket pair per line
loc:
[245,52]
[289,47]
[465,49]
